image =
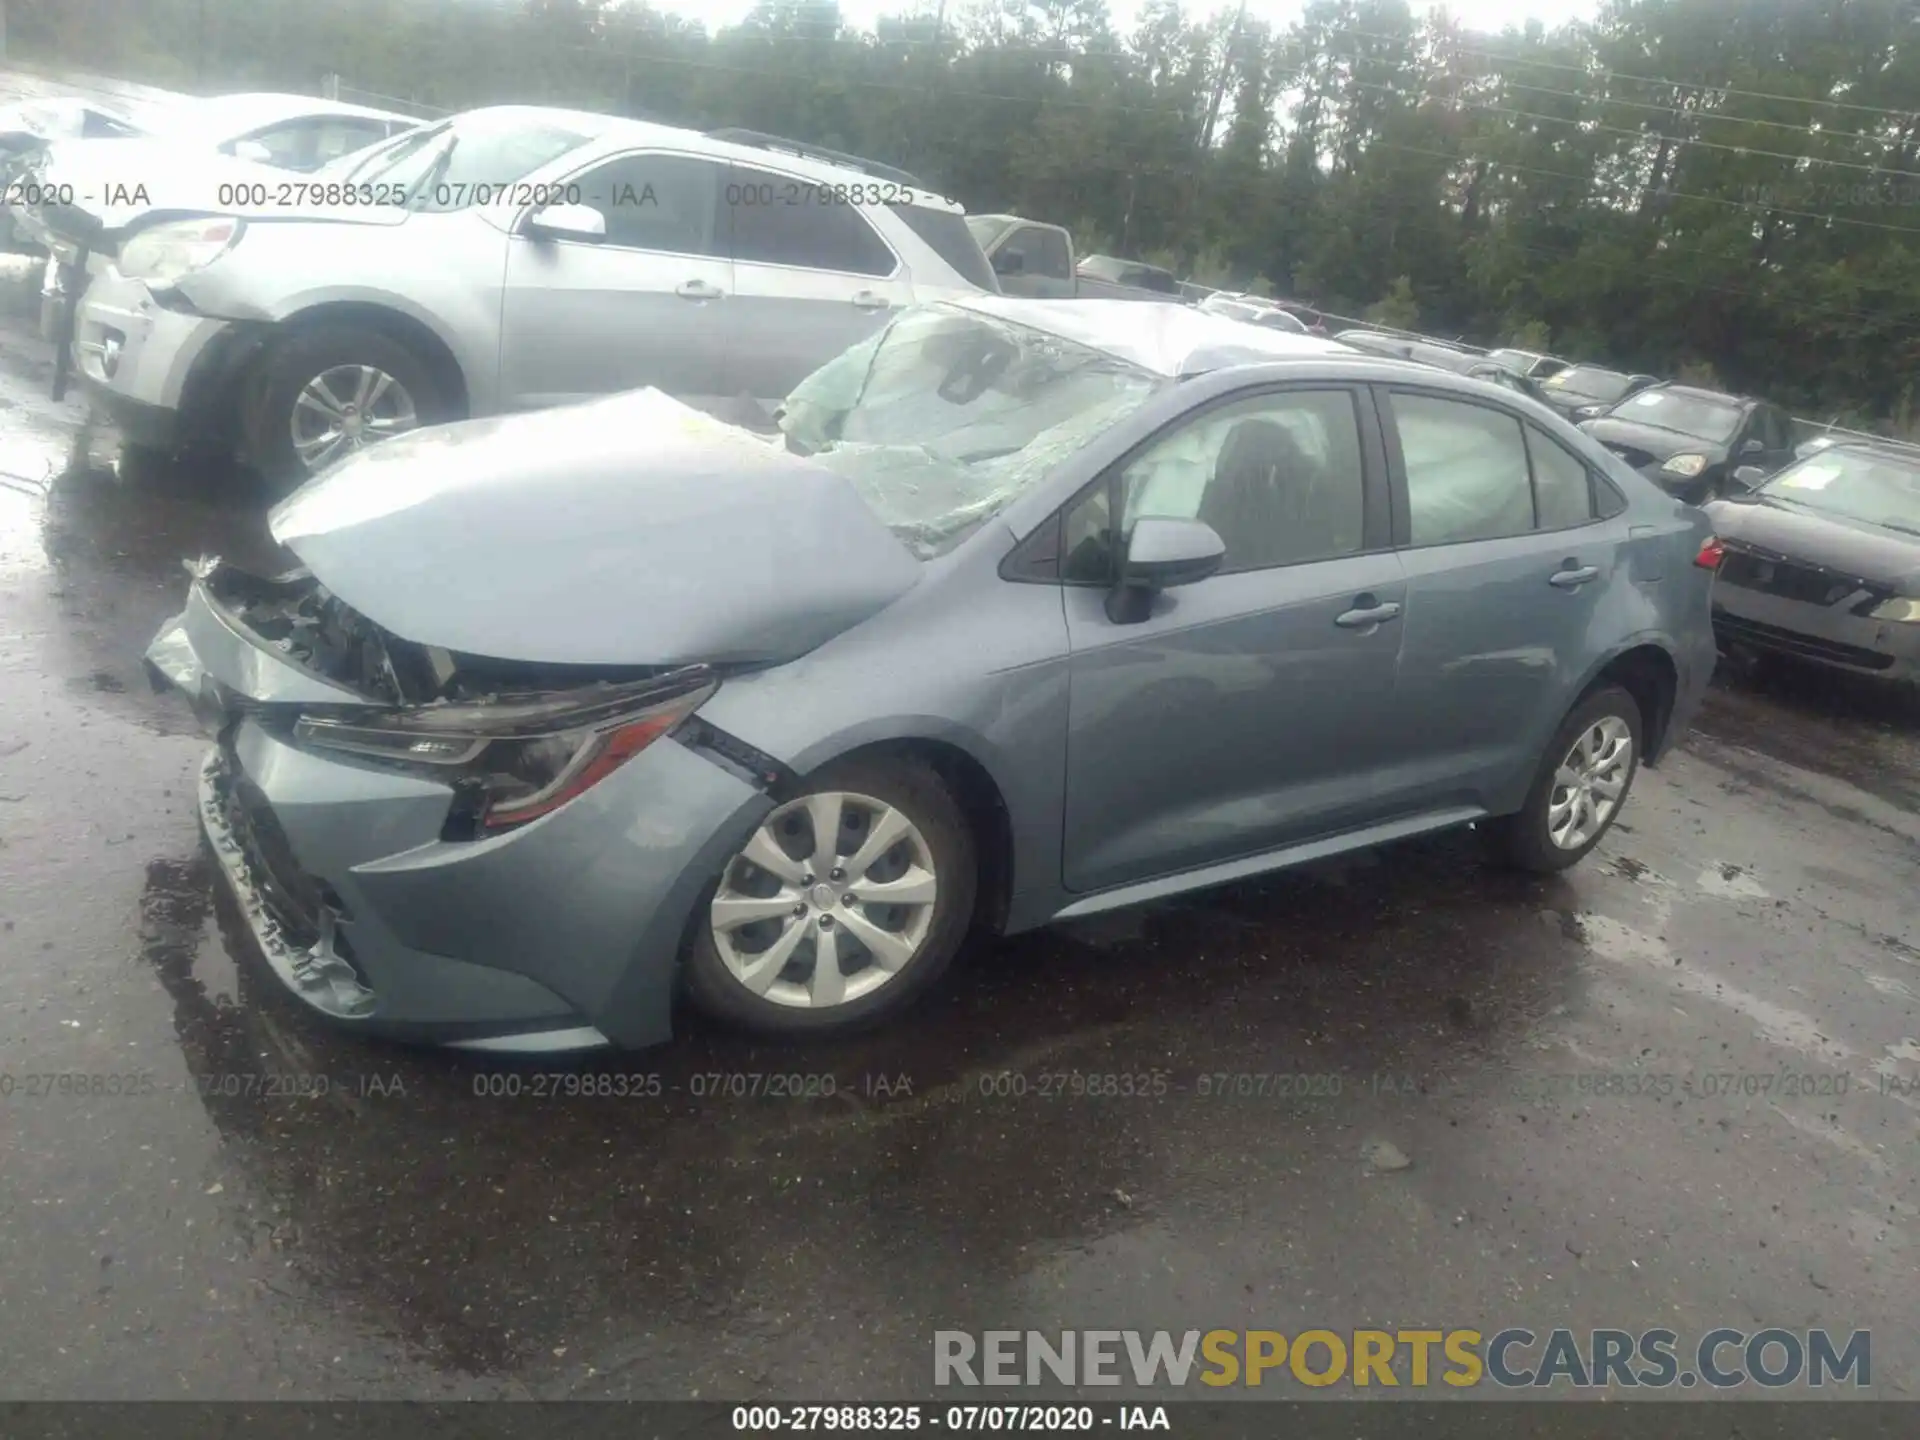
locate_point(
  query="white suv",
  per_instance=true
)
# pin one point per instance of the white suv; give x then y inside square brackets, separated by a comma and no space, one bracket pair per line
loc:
[507,259]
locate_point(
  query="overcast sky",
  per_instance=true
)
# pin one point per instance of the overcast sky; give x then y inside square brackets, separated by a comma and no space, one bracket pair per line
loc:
[1491,15]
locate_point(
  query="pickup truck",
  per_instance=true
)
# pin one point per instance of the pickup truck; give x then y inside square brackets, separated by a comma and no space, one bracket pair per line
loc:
[1035,259]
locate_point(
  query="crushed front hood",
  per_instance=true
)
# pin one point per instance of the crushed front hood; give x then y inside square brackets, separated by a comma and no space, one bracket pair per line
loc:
[627,531]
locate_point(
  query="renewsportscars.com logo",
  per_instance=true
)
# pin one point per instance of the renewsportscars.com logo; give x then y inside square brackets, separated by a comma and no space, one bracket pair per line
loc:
[1513,1358]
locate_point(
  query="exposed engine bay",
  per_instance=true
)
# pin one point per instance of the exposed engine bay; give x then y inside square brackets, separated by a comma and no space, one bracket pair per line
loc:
[298,617]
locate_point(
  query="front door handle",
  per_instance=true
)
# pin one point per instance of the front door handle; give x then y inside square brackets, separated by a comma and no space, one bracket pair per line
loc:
[870,300]
[1574,579]
[1365,617]
[698,290]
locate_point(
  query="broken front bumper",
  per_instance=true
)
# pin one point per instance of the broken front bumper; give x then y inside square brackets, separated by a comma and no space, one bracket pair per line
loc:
[562,934]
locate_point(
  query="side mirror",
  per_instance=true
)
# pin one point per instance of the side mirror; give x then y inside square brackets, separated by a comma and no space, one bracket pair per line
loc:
[1161,554]
[252,150]
[1753,447]
[567,222]
[1010,262]
[1748,477]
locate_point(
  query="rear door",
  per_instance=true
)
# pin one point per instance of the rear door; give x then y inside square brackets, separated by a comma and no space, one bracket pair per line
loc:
[811,277]
[1252,708]
[646,305]
[1508,567]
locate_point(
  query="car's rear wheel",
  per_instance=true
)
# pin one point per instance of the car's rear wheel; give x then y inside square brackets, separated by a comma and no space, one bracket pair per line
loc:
[331,390]
[843,907]
[1583,781]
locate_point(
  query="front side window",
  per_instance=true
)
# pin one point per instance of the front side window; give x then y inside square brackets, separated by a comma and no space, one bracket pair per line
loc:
[668,203]
[769,226]
[1466,468]
[1278,476]
[944,416]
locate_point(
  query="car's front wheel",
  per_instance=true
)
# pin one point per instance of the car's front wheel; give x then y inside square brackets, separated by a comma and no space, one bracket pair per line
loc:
[843,907]
[1583,781]
[330,390]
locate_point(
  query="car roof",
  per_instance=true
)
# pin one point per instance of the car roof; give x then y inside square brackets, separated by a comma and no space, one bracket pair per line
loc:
[233,114]
[1164,337]
[1699,392]
[617,131]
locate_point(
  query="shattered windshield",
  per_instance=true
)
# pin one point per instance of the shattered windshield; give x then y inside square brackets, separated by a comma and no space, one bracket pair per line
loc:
[944,416]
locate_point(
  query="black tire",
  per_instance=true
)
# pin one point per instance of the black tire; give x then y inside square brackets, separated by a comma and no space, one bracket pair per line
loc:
[1522,840]
[921,796]
[300,356]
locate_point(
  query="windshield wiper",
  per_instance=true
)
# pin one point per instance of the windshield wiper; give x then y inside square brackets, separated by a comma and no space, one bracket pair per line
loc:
[436,172]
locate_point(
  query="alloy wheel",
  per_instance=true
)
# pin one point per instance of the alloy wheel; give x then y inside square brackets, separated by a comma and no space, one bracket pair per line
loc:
[346,408]
[1590,782]
[830,900]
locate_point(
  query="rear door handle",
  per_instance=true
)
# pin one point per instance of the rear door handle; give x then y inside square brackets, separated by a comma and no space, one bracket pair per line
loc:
[698,290]
[1367,616]
[869,300]
[1574,579]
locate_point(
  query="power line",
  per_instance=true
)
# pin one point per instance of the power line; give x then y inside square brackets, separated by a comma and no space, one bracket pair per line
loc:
[1663,190]
[1645,135]
[1602,72]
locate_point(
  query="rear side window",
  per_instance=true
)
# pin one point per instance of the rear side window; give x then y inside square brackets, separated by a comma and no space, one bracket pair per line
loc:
[1466,468]
[809,233]
[1561,488]
[947,235]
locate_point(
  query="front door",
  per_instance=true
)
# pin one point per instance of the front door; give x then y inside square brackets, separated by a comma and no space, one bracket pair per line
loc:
[645,305]
[1250,709]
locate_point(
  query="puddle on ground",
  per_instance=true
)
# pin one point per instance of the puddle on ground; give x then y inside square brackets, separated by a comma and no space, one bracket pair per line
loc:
[1730,882]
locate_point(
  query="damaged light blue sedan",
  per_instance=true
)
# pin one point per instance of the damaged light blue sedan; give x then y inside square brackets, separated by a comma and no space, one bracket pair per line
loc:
[1017,611]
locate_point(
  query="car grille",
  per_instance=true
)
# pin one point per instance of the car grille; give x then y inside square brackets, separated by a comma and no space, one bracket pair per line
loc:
[1638,459]
[1792,642]
[1786,578]
[290,895]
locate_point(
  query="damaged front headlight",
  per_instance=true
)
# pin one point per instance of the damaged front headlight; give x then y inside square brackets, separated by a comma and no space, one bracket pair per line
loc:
[515,759]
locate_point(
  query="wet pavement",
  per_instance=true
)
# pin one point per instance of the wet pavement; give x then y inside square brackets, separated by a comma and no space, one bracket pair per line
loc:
[279,1211]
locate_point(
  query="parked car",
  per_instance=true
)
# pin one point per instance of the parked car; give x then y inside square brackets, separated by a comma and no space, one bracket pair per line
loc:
[508,259]
[176,155]
[1035,259]
[1253,311]
[30,127]
[1822,561]
[1480,368]
[1688,440]
[1129,274]
[1376,342]
[1031,610]
[1530,363]
[1581,392]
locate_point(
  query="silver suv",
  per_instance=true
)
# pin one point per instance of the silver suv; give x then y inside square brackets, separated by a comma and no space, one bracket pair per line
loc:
[508,259]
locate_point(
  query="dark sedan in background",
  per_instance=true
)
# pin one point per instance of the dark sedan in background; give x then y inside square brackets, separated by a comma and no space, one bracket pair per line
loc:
[1688,441]
[1582,392]
[1822,562]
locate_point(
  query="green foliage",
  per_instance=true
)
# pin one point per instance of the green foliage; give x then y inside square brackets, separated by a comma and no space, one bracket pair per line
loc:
[1531,335]
[1397,309]
[1754,210]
